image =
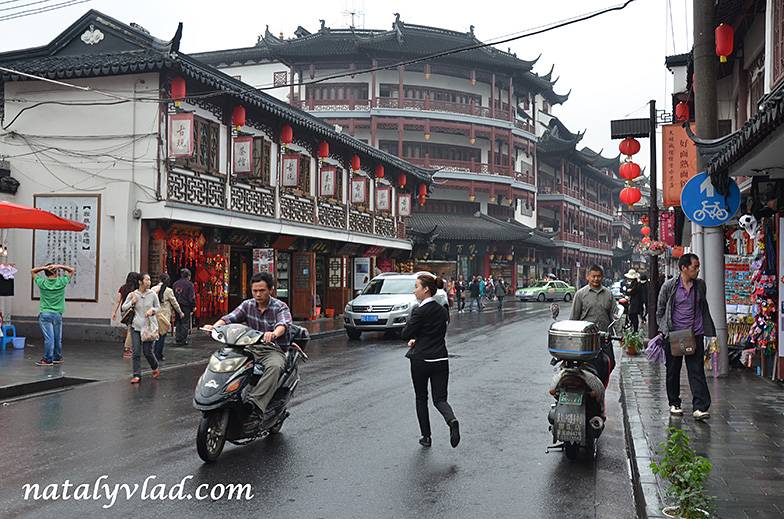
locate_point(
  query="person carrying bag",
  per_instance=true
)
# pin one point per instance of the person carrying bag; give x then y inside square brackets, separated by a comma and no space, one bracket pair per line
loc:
[144,327]
[684,321]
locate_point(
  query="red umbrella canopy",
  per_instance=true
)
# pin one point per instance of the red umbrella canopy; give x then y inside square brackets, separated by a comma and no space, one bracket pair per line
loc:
[13,216]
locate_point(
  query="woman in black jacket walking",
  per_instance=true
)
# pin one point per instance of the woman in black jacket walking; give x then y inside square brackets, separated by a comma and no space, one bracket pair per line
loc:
[426,336]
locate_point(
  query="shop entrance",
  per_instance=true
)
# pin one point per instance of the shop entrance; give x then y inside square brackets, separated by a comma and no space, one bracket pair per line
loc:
[303,289]
[321,283]
[240,272]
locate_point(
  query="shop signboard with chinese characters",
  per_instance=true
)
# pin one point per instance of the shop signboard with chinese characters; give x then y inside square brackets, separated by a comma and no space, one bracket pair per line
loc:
[181,135]
[79,250]
[242,157]
[679,162]
[404,204]
[358,191]
[290,170]
[327,182]
[383,198]
[667,227]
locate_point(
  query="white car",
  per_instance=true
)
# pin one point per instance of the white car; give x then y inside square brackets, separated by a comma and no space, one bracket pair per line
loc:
[385,304]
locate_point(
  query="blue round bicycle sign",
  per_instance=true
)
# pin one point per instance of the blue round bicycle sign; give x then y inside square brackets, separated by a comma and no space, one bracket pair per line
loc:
[704,205]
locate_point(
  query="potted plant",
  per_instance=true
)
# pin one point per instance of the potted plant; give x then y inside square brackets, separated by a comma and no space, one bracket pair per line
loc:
[633,343]
[686,473]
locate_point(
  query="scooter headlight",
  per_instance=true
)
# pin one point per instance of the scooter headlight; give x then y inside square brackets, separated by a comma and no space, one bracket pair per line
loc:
[246,340]
[225,366]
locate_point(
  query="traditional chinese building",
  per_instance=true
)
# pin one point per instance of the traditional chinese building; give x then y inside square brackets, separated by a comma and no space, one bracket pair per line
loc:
[471,117]
[173,163]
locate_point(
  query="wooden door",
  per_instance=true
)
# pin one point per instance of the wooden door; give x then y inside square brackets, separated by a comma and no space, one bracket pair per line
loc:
[303,285]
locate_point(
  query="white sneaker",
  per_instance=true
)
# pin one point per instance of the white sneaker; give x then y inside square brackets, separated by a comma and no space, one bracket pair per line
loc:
[676,410]
[701,415]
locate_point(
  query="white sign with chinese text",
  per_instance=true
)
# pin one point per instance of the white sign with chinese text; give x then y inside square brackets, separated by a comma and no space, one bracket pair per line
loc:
[79,250]
[358,191]
[383,196]
[404,205]
[243,156]
[290,171]
[327,184]
[181,135]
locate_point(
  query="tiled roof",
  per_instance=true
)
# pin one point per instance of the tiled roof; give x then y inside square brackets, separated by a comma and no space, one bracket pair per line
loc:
[74,66]
[473,228]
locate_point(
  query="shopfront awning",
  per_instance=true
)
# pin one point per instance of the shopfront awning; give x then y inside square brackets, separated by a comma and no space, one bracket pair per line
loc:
[14,216]
[373,251]
[283,242]
[349,249]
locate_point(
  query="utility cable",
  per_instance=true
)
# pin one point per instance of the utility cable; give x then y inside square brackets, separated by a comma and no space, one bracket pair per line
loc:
[31,12]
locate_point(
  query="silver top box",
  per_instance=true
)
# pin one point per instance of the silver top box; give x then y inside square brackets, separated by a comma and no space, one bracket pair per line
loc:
[573,340]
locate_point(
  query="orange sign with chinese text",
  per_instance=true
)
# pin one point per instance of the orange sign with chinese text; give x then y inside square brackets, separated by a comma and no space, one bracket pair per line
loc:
[679,162]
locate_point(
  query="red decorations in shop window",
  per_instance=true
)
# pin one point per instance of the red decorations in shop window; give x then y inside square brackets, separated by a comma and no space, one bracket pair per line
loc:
[178,91]
[159,234]
[629,146]
[645,241]
[645,220]
[629,170]
[286,135]
[630,196]
[323,151]
[682,111]
[356,163]
[645,231]
[379,171]
[725,41]
[238,116]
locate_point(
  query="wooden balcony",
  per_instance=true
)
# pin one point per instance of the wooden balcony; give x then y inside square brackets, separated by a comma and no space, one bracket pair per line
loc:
[207,191]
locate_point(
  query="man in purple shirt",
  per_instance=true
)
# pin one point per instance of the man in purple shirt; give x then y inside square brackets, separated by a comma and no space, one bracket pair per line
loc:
[683,305]
[271,316]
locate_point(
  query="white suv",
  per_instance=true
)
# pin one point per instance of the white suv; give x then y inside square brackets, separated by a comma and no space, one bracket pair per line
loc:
[385,304]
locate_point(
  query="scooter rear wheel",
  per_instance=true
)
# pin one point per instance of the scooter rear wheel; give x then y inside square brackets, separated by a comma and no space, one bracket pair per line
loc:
[572,450]
[211,436]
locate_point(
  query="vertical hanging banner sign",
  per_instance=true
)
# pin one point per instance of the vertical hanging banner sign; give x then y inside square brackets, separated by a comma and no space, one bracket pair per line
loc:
[242,156]
[404,204]
[383,198]
[180,135]
[679,162]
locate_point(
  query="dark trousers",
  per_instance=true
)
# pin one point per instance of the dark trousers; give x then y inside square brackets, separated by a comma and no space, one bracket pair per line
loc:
[695,367]
[460,300]
[159,344]
[438,375]
[635,320]
[183,327]
[500,302]
[138,347]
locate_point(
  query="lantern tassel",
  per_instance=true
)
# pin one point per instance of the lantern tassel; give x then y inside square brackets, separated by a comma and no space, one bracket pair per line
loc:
[723,59]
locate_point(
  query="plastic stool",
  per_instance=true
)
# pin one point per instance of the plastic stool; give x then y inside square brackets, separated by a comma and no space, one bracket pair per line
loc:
[9,333]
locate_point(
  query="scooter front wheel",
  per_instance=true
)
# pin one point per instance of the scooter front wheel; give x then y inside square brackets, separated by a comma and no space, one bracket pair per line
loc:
[211,436]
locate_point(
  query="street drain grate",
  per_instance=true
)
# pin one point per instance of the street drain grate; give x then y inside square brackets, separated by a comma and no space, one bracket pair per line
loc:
[39,386]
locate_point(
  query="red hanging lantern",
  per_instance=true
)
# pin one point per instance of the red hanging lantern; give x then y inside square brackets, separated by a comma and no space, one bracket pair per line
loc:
[629,146]
[629,170]
[682,111]
[286,135]
[645,241]
[725,41]
[323,151]
[630,196]
[645,231]
[422,190]
[238,116]
[356,163]
[644,219]
[379,171]
[178,90]
[422,200]
[401,181]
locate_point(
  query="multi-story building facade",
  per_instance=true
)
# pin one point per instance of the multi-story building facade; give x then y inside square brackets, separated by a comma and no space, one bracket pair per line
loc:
[471,117]
[209,175]
[577,193]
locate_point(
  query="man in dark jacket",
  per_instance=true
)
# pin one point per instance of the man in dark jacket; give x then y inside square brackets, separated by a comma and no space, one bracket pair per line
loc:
[474,290]
[683,305]
[185,293]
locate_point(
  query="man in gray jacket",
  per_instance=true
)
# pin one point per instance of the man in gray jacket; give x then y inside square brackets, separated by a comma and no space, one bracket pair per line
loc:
[683,305]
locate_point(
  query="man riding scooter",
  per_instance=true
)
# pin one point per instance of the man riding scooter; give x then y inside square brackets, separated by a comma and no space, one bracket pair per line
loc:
[271,316]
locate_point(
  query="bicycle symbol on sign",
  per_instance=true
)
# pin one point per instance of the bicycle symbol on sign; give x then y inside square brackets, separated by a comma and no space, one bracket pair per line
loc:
[711,209]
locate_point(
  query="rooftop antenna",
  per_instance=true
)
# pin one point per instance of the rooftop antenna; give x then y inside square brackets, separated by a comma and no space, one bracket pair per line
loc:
[355,12]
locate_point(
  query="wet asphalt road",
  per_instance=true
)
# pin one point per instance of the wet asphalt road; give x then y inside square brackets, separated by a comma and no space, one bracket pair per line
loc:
[349,448]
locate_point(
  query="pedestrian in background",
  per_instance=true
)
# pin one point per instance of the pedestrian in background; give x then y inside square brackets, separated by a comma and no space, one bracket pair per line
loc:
[644,296]
[145,304]
[165,316]
[683,306]
[425,332]
[475,291]
[460,288]
[634,293]
[186,297]
[51,309]
[500,292]
[131,283]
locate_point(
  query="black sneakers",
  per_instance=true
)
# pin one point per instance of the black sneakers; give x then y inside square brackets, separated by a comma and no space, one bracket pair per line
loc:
[425,441]
[44,362]
[454,433]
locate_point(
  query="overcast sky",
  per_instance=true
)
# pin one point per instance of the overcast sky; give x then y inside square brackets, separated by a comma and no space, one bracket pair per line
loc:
[614,63]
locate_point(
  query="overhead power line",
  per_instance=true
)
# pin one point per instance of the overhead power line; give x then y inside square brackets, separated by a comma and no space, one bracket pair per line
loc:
[44,9]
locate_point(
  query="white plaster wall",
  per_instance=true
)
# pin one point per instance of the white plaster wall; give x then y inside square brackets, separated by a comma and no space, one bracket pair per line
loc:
[261,75]
[125,181]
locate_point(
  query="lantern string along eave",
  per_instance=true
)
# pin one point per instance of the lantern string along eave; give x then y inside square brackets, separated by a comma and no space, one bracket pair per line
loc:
[629,171]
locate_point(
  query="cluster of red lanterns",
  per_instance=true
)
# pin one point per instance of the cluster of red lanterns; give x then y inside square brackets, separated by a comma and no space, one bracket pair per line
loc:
[645,231]
[630,171]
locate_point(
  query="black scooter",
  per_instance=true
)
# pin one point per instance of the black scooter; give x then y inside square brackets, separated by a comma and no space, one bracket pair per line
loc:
[221,393]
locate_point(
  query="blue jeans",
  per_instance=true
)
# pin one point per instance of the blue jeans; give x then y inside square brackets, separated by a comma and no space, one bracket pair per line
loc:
[52,329]
[159,344]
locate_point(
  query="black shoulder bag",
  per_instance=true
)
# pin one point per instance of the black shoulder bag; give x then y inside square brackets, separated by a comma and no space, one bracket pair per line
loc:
[683,342]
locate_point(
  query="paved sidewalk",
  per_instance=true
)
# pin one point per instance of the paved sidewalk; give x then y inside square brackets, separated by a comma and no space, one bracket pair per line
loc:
[90,361]
[744,438]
